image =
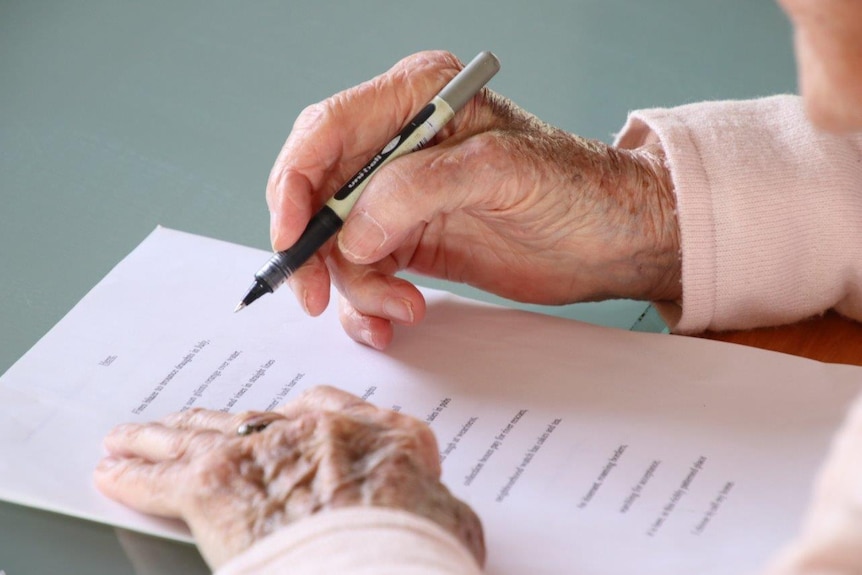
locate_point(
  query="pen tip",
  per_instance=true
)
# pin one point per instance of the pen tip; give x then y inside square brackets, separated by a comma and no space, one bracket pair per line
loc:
[257,289]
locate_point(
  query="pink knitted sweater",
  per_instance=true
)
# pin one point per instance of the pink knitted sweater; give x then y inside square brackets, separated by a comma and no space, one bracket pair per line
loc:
[770,215]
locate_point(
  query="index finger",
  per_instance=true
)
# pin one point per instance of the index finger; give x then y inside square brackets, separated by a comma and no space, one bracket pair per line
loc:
[333,139]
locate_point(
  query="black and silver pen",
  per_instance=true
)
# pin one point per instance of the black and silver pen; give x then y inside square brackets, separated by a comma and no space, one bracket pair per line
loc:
[329,219]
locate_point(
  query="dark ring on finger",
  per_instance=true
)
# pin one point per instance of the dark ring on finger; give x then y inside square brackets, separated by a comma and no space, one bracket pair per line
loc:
[257,423]
[249,428]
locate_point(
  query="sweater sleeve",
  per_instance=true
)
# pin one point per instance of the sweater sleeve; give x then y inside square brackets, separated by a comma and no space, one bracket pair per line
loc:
[357,541]
[769,209]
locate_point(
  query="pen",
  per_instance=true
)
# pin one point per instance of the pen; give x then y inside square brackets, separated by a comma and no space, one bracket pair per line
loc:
[418,131]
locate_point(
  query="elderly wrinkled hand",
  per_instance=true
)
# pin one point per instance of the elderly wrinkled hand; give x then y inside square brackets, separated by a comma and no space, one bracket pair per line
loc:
[498,200]
[327,449]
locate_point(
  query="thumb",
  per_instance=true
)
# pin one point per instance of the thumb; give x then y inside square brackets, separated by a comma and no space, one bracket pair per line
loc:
[406,194]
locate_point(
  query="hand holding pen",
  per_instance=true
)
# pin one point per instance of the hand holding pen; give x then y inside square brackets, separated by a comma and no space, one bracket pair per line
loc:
[419,131]
[498,200]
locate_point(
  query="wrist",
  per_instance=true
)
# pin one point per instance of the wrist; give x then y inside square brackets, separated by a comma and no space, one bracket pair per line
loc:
[655,245]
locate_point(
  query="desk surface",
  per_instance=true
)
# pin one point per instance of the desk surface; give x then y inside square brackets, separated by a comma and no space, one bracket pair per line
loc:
[117,117]
[829,338]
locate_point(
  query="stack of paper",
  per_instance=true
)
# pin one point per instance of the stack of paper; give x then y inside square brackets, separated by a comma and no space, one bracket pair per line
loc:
[584,449]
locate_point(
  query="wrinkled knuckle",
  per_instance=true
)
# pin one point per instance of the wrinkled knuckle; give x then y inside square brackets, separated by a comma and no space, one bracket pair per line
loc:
[312,114]
[126,431]
[306,424]
[316,393]
[212,470]
[127,434]
[326,423]
[192,414]
[195,412]
[425,445]
[203,442]
[405,430]
[177,447]
[347,312]
[441,61]
[424,434]
[274,181]
[328,390]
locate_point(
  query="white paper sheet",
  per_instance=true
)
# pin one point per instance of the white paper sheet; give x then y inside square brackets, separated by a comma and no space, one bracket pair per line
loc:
[584,449]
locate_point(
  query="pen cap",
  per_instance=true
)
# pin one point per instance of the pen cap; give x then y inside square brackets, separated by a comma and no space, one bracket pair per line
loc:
[470,80]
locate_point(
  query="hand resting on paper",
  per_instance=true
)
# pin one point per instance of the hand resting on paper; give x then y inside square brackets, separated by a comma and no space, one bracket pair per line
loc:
[498,200]
[325,450]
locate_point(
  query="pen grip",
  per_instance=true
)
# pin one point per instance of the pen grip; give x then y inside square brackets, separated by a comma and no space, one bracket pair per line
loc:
[320,228]
[414,135]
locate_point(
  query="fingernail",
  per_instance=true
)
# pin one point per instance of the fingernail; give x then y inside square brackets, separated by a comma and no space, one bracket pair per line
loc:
[398,309]
[362,237]
[273,228]
[300,292]
[368,337]
[303,297]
